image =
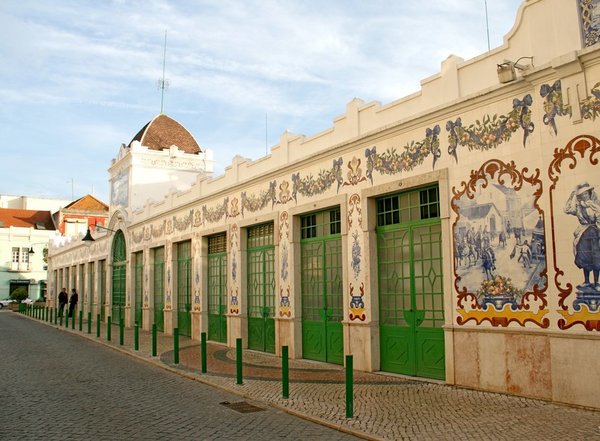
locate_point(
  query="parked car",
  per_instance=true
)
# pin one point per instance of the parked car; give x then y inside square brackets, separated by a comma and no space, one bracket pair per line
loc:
[5,302]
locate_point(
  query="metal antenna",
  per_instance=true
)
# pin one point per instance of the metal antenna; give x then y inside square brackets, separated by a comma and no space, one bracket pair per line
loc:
[163,83]
[266,134]
[487,25]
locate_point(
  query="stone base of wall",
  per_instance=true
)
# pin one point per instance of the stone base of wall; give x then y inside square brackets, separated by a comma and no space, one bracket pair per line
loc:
[532,364]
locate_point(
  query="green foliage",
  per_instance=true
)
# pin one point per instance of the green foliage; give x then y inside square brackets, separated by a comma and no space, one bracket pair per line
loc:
[19,294]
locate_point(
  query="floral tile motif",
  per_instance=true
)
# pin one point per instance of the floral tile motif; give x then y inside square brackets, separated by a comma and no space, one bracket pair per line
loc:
[234,207]
[234,251]
[183,223]
[356,255]
[357,305]
[354,207]
[285,308]
[197,218]
[158,231]
[590,21]
[354,175]
[390,162]
[590,106]
[553,104]
[499,247]
[137,236]
[284,192]
[311,186]
[575,207]
[215,214]
[254,203]
[235,308]
[490,132]
[283,240]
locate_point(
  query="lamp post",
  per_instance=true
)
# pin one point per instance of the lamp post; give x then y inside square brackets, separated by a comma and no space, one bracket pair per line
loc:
[88,238]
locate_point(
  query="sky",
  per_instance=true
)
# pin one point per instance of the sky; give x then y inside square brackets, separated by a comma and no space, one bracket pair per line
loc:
[80,77]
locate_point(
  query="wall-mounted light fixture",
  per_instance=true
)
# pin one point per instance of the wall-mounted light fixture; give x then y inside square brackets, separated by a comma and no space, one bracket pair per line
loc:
[30,252]
[88,235]
[506,70]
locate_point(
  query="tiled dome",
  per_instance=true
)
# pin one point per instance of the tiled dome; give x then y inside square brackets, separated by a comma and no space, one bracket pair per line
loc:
[163,132]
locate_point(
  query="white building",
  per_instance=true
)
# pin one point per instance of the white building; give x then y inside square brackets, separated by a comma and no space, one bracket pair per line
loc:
[343,242]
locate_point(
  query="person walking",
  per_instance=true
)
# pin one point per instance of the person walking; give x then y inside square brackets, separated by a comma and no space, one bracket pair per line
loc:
[73,302]
[63,299]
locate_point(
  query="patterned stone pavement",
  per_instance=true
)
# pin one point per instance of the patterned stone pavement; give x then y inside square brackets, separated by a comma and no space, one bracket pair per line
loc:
[385,406]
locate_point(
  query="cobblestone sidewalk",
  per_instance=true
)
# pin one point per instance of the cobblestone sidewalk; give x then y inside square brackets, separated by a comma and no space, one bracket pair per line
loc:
[385,406]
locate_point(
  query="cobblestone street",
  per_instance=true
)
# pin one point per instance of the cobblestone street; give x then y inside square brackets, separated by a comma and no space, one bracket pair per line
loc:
[58,386]
[385,406]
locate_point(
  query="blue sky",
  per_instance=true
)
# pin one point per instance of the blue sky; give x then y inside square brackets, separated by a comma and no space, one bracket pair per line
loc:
[79,77]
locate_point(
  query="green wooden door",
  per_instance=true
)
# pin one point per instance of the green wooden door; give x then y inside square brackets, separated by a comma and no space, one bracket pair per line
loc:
[261,288]
[102,289]
[409,247]
[138,285]
[217,288]
[321,276]
[159,287]
[119,275]
[184,287]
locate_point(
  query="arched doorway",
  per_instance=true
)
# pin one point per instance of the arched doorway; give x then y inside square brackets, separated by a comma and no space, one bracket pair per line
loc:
[119,275]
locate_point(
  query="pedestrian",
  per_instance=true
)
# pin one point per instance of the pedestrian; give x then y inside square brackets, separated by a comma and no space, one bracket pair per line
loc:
[63,299]
[73,302]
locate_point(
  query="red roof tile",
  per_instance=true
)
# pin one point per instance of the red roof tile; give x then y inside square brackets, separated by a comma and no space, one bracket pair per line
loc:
[87,203]
[10,217]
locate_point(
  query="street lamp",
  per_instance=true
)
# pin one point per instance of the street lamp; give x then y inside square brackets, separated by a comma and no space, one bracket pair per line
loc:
[88,235]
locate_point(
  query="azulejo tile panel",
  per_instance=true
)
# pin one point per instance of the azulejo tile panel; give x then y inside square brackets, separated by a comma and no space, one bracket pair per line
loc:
[590,21]
[499,247]
[553,104]
[575,206]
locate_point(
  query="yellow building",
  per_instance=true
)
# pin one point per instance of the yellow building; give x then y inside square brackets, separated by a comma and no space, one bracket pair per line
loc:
[451,234]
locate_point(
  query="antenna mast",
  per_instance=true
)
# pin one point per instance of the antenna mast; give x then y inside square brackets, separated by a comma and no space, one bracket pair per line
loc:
[163,83]
[487,25]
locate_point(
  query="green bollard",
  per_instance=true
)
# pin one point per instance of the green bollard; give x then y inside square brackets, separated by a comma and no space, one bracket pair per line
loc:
[154,339]
[73,320]
[89,322]
[66,320]
[349,387]
[238,360]
[108,326]
[56,317]
[176,345]
[285,372]
[136,337]
[61,317]
[97,325]
[121,331]
[80,320]
[47,314]
[203,351]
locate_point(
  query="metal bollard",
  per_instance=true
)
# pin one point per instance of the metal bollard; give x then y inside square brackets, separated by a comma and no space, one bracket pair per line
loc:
[349,387]
[121,331]
[89,322]
[285,372]
[80,320]
[176,345]
[73,320]
[154,339]
[97,325]
[47,314]
[136,337]
[203,351]
[238,360]
[66,320]
[108,326]
[56,317]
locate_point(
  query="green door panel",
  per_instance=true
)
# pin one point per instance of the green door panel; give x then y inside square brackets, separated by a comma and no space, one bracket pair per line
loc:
[314,340]
[410,284]
[335,343]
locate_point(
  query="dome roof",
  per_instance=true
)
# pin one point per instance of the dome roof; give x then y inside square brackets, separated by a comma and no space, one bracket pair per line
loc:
[163,132]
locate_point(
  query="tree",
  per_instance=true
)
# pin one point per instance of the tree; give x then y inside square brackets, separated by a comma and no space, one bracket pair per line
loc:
[19,294]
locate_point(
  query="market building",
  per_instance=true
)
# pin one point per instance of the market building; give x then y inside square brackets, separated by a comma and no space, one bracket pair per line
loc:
[451,234]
